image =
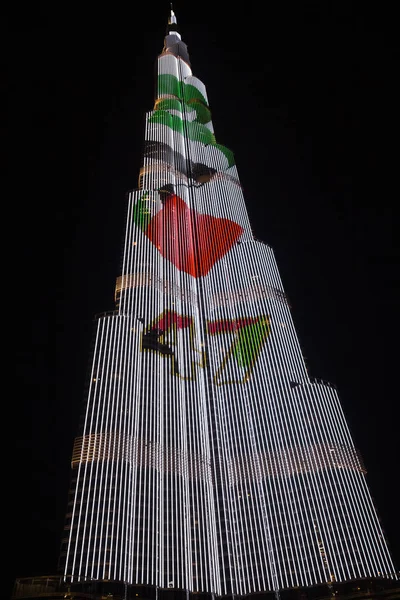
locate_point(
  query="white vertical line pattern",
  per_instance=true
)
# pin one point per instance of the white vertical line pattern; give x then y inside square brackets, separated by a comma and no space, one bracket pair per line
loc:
[207,459]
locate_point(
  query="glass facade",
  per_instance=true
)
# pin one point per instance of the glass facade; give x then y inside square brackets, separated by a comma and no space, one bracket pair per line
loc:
[208,460]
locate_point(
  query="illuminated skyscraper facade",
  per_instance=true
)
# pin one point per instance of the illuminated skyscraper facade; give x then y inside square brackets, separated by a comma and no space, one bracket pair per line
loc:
[208,460]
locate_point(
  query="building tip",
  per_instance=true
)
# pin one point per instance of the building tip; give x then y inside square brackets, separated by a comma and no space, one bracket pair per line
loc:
[172,18]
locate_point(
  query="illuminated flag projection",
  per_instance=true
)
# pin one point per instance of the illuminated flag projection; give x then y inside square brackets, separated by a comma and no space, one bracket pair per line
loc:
[208,460]
[174,228]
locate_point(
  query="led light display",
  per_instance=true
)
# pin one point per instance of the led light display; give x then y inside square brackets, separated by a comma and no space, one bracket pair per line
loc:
[207,459]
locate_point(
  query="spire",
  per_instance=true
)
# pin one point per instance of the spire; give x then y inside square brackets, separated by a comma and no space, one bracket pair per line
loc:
[173,42]
[172,26]
[172,18]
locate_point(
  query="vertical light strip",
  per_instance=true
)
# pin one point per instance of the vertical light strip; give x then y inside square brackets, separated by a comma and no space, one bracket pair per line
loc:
[213,478]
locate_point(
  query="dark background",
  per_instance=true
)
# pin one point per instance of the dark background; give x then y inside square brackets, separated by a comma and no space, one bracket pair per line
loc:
[305,94]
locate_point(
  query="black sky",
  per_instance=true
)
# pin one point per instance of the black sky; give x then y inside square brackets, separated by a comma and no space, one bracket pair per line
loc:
[305,95]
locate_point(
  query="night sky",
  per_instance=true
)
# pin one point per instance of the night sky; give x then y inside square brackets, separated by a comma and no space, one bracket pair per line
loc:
[305,95]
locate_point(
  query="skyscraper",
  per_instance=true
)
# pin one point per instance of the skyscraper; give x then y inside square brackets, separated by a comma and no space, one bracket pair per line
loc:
[207,459]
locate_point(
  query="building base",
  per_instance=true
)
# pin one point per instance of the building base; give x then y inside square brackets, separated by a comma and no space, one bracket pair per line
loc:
[54,588]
